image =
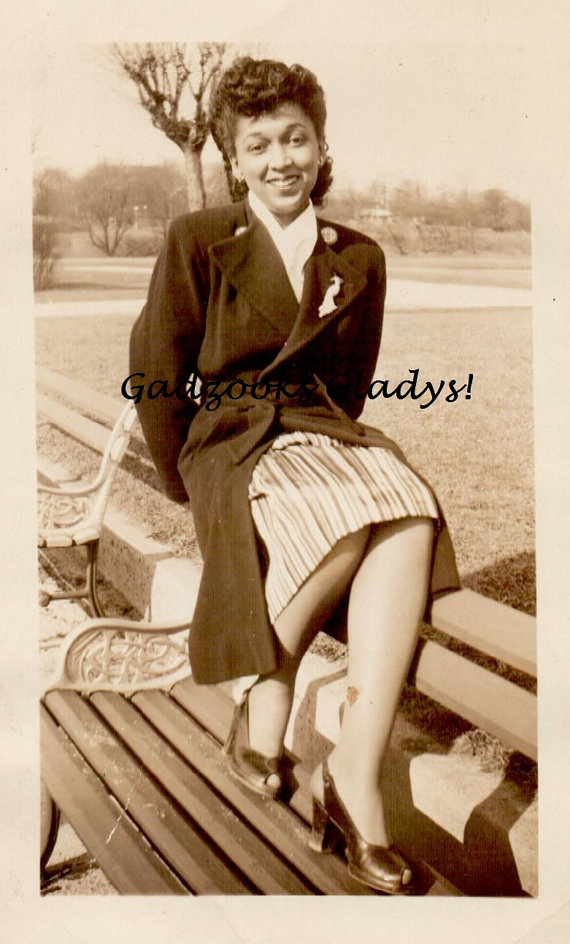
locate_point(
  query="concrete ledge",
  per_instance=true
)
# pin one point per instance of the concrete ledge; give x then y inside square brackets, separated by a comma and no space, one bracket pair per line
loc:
[477,829]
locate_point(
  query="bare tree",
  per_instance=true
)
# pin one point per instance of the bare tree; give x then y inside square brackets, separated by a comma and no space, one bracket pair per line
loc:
[54,194]
[105,198]
[44,251]
[52,205]
[494,203]
[167,77]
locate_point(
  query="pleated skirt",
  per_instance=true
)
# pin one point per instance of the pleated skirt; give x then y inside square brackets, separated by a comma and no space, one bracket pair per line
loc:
[309,490]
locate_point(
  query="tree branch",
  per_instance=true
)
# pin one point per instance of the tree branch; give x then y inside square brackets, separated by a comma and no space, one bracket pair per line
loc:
[162,72]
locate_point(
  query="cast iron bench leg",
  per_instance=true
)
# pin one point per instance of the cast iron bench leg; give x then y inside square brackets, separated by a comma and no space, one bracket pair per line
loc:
[49,826]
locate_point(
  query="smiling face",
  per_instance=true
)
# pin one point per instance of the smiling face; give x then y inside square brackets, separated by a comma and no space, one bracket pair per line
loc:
[278,155]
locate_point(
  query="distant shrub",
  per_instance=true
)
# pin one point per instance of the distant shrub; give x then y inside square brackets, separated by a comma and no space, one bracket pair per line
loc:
[141,243]
[403,235]
[509,243]
[413,237]
[44,237]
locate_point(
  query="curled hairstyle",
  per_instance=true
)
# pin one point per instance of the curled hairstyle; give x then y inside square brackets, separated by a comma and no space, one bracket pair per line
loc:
[250,88]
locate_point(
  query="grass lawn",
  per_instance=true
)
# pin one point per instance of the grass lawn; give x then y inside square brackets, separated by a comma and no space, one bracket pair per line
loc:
[477,453]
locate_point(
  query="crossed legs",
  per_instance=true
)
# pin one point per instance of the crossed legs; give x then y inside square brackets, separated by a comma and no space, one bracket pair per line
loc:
[387,569]
[308,612]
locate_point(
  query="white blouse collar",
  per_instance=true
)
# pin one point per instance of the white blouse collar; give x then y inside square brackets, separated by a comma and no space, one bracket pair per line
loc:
[304,225]
[295,242]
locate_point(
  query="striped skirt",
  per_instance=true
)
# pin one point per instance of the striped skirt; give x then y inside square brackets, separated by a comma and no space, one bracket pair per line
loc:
[308,491]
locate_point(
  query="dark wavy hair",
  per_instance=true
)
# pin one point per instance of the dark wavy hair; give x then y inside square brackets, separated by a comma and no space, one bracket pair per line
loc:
[250,88]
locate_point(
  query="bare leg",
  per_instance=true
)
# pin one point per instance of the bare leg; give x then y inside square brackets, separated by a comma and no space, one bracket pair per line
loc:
[387,600]
[271,697]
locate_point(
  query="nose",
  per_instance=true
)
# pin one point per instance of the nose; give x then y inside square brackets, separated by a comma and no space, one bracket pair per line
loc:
[279,156]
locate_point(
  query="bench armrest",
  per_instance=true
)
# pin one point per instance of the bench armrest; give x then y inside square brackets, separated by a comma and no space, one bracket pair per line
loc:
[73,489]
[124,656]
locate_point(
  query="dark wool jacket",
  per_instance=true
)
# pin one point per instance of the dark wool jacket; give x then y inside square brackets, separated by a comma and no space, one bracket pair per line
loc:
[220,304]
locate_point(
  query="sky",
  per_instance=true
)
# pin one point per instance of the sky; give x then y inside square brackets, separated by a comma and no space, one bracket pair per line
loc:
[448,115]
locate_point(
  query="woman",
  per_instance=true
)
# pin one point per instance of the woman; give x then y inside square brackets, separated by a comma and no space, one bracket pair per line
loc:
[296,504]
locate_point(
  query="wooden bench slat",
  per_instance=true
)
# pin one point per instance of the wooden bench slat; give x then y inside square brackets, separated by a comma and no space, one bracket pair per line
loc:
[272,820]
[86,431]
[207,704]
[250,854]
[96,404]
[486,700]
[490,626]
[171,834]
[129,862]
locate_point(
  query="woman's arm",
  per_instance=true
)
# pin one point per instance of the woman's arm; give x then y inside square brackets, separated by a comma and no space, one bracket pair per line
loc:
[164,347]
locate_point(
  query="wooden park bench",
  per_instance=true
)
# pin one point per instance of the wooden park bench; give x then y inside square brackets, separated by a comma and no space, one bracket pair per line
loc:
[131,756]
[139,773]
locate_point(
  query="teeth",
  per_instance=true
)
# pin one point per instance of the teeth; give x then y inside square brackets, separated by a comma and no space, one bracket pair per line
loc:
[284,183]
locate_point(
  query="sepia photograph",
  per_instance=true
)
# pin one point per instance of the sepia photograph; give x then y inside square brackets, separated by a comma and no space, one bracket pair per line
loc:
[273,402]
[285,477]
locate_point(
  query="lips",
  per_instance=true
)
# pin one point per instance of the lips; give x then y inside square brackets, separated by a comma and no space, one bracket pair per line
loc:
[283,183]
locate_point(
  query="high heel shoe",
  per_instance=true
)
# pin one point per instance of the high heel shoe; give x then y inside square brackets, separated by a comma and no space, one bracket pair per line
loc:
[258,772]
[379,867]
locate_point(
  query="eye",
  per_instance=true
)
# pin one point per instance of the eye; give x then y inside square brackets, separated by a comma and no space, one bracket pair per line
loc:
[297,139]
[256,148]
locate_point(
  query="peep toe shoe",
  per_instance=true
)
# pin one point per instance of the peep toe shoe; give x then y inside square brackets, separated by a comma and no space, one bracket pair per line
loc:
[258,772]
[379,867]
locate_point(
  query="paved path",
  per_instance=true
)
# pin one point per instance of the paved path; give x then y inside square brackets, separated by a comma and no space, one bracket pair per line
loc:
[403,295]
[130,307]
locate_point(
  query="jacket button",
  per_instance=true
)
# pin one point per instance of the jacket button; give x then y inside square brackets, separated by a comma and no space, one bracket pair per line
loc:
[329,235]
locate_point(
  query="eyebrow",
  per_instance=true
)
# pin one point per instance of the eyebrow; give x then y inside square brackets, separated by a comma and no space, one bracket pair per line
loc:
[260,134]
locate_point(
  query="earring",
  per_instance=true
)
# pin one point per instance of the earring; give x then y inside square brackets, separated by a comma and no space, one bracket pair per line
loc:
[239,176]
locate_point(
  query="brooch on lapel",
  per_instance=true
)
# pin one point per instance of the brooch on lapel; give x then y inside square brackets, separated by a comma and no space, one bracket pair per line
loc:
[328,304]
[329,235]
[239,230]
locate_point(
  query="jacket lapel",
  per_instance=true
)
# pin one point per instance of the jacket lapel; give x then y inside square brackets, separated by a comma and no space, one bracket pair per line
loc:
[251,262]
[322,266]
